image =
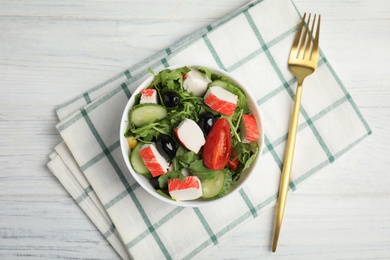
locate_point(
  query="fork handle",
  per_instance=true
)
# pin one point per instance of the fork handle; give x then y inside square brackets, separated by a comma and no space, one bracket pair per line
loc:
[287,165]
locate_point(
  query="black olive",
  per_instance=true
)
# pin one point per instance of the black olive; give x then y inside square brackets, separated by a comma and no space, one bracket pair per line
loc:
[171,99]
[166,147]
[154,182]
[206,121]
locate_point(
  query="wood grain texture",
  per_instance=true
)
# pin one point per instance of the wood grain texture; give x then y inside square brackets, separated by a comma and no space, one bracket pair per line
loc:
[51,51]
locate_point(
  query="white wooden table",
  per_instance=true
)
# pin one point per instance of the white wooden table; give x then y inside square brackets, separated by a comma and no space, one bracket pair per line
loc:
[51,51]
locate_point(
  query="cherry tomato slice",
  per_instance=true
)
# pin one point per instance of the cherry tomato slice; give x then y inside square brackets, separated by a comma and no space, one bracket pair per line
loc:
[233,163]
[183,76]
[218,147]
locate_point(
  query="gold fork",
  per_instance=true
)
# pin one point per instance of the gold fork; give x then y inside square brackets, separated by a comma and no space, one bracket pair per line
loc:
[302,62]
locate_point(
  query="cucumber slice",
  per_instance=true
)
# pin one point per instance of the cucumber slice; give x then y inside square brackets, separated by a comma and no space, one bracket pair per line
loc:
[211,187]
[218,83]
[136,161]
[146,113]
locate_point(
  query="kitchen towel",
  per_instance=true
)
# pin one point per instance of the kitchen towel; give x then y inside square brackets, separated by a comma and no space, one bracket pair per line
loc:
[253,44]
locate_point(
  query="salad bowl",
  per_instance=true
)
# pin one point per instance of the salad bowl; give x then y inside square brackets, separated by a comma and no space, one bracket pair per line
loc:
[146,184]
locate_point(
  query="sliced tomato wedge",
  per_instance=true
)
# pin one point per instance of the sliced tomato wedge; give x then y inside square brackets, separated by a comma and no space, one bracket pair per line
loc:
[218,147]
[233,163]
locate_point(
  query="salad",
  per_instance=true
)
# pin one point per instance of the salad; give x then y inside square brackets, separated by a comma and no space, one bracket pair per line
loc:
[191,134]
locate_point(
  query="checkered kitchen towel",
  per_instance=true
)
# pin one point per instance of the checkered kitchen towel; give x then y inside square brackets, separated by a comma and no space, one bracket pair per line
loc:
[253,44]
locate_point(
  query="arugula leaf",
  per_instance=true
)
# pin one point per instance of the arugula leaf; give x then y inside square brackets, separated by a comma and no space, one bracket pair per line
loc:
[247,153]
[233,129]
[163,179]
[251,159]
[147,132]
[151,71]
[205,71]
[201,171]
[187,158]
[164,194]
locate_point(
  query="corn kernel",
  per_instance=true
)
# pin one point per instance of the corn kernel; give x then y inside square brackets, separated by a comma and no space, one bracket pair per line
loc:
[132,141]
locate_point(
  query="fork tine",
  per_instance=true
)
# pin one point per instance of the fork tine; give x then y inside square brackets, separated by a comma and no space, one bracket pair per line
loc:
[304,43]
[314,56]
[308,50]
[298,35]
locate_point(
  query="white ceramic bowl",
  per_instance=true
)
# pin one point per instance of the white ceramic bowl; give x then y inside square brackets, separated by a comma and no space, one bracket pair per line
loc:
[144,182]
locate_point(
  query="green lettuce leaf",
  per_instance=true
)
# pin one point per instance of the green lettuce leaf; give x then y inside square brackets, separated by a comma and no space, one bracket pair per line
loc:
[163,179]
[198,169]
[205,71]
